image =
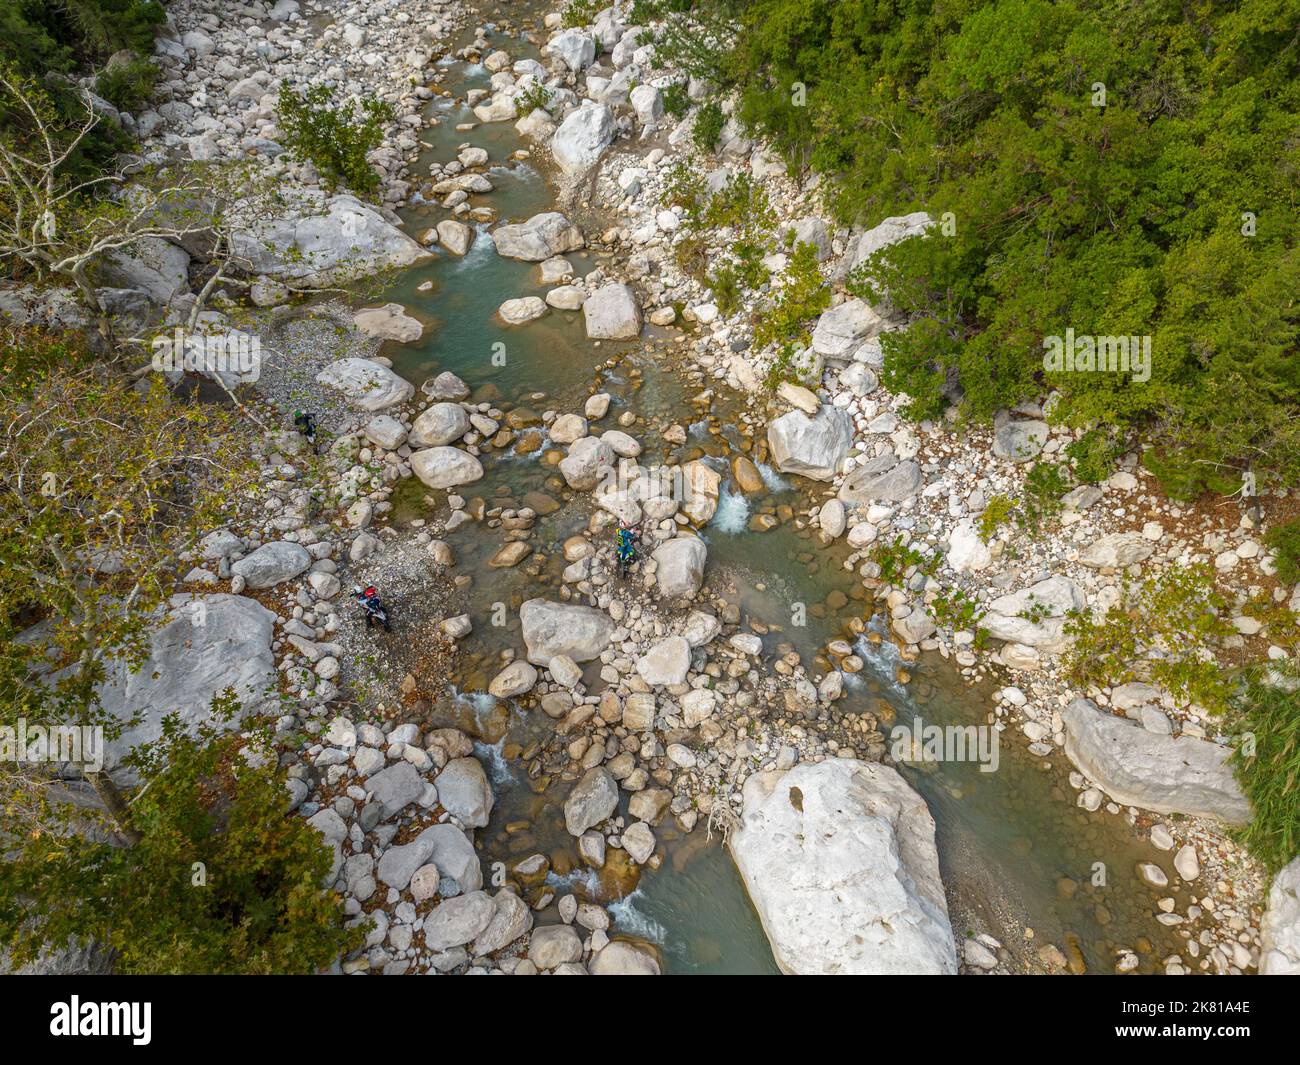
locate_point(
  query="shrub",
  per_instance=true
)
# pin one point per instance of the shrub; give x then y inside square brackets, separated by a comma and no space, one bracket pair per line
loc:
[127,85]
[1284,540]
[1173,622]
[1266,760]
[335,138]
[676,102]
[580,13]
[223,881]
[954,609]
[802,296]
[981,113]
[532,98]
[1045,484]
[896,559]
[996,512]
[709,121]
[1093,456]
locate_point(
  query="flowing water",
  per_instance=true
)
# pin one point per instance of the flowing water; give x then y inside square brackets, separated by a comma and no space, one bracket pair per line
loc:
[1018,858]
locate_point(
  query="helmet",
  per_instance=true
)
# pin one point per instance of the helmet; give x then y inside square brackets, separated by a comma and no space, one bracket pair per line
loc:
[356,589]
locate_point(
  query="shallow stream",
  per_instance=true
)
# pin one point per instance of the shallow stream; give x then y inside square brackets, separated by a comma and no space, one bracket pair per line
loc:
[1018,857]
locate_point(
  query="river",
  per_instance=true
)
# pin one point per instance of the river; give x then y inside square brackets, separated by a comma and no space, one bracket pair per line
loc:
[1019,859]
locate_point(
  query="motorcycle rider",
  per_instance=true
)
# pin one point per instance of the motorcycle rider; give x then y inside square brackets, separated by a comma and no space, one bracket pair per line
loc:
[624,548]
[371,604]
[305,423]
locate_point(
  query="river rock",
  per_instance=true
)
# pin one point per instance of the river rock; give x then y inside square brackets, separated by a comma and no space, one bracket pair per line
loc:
[593,798]
[840,862]
[841,330]
[455,236]
[1019,441]
[445,467]
[511,920]
[882,480]
[612,313]
[523,310]
[573,48]
[541,237]
[439,424]
[1279,931]
[453,853]
[582,138]
[464,791]
[1152,771]
[702,486]
[813,446]
[395,788]
[554,945]
[331,242]
[666,663]
[366,384]
[680,566]
[967,551]
[389,322]
[620,958]
[385,431]
[1116,551]
[398,864]
[517,678]
[202,646]
[458,920]
[1035,616]
[552,629]
[588,460]
[272,564]
[568,428]
[446,386]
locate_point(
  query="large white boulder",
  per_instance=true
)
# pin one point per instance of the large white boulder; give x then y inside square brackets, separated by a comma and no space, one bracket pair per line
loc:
[841,330]
[679,566]
[839,859]
[1279,931]
[582,138]
[388,322]
[328,242]
[540,237]
[1152,771]
[366,384]
[552,629]
[612,313]
[887,233]
[813,446]
[272,563]
[203,645]
[573,48]
[438,425]
[967,551]
[1035,616]
[446,467]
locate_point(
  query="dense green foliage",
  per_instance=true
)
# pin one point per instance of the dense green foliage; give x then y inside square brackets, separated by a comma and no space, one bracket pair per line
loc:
[335,137]
[222,881]
[1266,759]
[43,36]
[1284,539]
[1173,624]
[53,42]
[1112,168]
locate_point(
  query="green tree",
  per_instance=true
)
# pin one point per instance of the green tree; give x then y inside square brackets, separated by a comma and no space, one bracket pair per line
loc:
[335,137]
[219,880]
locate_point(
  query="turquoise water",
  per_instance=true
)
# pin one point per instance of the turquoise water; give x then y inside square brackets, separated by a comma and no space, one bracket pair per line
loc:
[1008,840]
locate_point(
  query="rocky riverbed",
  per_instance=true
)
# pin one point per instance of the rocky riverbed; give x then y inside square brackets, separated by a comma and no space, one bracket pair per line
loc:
[633,713]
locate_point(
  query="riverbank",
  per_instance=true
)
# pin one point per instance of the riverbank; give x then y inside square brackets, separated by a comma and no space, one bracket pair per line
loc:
[575,731]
